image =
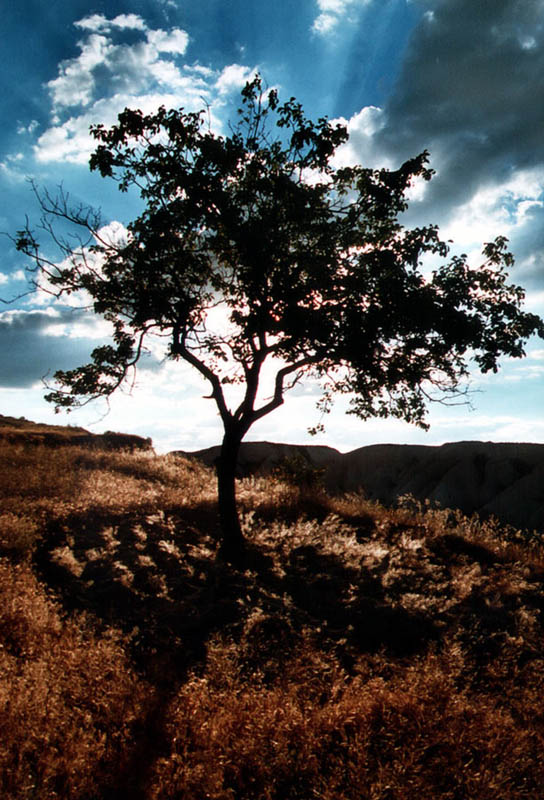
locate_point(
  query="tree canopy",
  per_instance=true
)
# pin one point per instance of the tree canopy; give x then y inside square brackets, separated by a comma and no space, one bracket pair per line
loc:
[307,263]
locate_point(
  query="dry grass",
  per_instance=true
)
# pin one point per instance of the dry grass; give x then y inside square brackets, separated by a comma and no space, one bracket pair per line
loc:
[41,484]
[69,698]
[361,653]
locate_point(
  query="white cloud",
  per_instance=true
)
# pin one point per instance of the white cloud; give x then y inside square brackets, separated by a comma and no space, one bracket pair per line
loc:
[70,140]
[528,42]
[114,233]
[324,24]
[111,74]
[98,22]
[76,82]
[332,13]
[10,167]
[233,77]
[511,429]
[132,21]
[44,294]
[536,355]
[333,6]
[362,146]
[95,22]
[175,41]
[18,275]
[497,208]
[104,65]
[89,327]
[16,315]
[30,128]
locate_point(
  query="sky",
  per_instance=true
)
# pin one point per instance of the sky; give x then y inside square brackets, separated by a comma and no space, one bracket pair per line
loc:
[459,78]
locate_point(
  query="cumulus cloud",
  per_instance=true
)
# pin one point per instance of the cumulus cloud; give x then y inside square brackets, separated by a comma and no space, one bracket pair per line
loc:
[70,139]
[174,41]
[98,22]
[10,167]
[18,275]
[234,77]
[103,61]
[113,72]
[110,74]
[76,81]
[363,145]
[27,129]
[43,291]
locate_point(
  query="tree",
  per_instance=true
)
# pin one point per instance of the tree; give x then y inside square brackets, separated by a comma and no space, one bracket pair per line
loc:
[309,262]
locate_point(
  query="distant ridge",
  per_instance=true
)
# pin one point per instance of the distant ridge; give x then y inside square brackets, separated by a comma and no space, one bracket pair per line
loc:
[262,457]
[505,480]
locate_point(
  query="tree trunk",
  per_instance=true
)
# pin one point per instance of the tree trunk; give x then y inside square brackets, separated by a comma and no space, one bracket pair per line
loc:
[233,542]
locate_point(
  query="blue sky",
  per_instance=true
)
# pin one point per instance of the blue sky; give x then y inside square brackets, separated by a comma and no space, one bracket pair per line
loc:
[461,78]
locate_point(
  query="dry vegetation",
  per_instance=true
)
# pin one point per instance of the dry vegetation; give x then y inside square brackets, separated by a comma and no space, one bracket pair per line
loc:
[361,653]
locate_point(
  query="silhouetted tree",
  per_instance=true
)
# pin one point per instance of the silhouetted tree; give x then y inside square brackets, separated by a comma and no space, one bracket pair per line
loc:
[308,261]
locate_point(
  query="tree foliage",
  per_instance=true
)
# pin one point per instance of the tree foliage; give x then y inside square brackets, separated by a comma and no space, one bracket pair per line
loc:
[308,264]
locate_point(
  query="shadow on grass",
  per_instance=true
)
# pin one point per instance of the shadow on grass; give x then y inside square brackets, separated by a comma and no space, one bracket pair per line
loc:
[154,576]
[157,578]
[349,605]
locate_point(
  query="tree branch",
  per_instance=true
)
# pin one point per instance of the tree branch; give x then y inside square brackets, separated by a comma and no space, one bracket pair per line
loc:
[277,399]
[180,349]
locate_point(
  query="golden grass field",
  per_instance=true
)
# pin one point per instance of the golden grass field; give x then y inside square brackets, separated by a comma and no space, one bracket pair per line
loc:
[361,652]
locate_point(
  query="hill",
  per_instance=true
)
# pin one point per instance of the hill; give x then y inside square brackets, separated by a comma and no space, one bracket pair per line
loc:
[24,431]
[395,654]
[504,480]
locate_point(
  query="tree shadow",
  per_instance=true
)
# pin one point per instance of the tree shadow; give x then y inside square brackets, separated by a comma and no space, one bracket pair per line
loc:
[153,576]
[157,578]
[350,606]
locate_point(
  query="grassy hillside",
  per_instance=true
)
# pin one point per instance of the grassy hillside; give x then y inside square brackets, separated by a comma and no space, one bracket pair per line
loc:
[23,431]
[362,653]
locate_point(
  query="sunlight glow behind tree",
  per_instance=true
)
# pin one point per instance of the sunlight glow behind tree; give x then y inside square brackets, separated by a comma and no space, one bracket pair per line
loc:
[308,263]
